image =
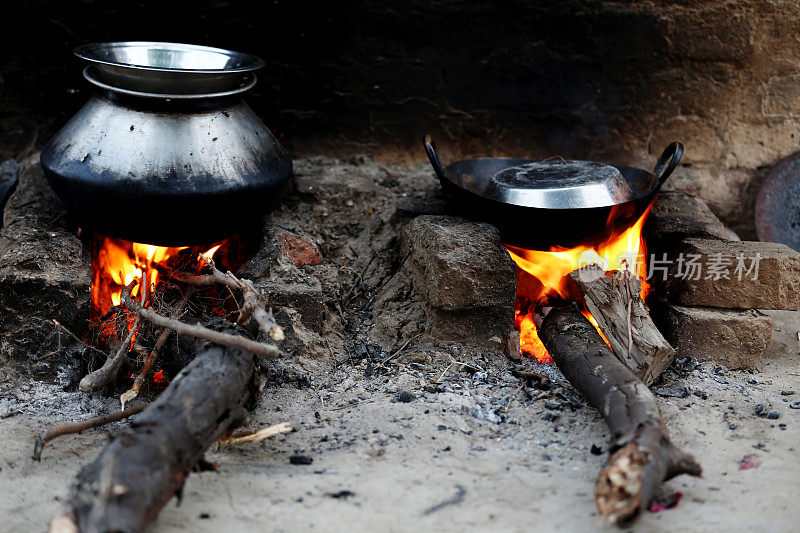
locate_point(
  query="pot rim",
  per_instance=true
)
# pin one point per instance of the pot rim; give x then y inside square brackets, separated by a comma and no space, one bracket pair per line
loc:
[101,53]
[250,81]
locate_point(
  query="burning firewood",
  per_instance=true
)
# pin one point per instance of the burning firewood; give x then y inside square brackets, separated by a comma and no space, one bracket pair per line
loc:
[133,392]
[254,301]
[108,372]
[614,301]
[254,307]
[197,330]
[642,455]
[126,486]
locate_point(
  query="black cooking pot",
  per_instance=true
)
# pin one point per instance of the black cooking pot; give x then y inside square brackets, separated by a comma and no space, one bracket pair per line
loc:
[167,152]
[564,211]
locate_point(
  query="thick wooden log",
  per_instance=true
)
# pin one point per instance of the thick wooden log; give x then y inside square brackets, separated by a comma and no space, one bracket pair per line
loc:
[613,300]
[147,463]
[642,455]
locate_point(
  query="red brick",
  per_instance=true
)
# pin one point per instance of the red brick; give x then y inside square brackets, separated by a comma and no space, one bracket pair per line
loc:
[298,250]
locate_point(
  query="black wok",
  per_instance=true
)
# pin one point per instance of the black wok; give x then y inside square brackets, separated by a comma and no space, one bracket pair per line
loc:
[539,228]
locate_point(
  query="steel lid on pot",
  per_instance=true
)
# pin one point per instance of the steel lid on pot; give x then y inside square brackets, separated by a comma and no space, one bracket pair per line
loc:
[175,70]
[560,184]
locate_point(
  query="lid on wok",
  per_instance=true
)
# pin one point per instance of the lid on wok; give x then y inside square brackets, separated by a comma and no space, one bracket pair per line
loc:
[552,183]
[560,184]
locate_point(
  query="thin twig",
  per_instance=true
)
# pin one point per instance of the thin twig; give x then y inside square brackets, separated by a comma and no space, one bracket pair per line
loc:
[452,363]
[255,302]
[61,327]
[131,393]
[77,427]
[357,280]
[144,288]
[324,381]
[255,436]
[233,297]
[401,348]
[345,406]
[255,307]
[333,355]
[199,331]
[441,376]
[57,350]
[108,372]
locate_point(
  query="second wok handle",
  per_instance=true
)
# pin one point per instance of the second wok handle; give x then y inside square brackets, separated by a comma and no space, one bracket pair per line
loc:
[433,156]
[666,164]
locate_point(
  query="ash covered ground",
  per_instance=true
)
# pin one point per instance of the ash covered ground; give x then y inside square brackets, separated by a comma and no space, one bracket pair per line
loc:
[398,380]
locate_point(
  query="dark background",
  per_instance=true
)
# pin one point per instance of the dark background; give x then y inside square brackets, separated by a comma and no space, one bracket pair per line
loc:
[368,75]
[577,78]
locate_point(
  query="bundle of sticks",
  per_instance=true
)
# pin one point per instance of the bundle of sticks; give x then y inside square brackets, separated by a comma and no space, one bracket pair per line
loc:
[254,307]
[615,382]
[135,475]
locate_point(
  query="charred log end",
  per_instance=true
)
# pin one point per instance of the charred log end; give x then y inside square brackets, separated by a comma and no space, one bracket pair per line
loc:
[627,483]
[618,493]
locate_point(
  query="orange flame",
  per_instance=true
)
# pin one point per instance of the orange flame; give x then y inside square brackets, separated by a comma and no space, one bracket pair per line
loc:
[116,263]
[543,276]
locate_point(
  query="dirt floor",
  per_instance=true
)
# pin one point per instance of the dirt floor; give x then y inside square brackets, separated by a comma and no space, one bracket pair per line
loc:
[476,454]
[417,440]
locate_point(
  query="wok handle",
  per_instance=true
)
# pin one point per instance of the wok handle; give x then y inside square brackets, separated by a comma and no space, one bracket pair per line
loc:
[433,156]
[669,158]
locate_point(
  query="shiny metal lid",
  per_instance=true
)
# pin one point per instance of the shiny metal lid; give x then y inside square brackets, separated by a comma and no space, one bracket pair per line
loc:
[560,184]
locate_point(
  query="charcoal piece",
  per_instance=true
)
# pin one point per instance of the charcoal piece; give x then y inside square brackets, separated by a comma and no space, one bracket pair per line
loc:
[686,365]
[676,390]
[405,396]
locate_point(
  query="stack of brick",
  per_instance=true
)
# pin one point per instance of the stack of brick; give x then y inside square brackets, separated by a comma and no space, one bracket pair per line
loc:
[713,285]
